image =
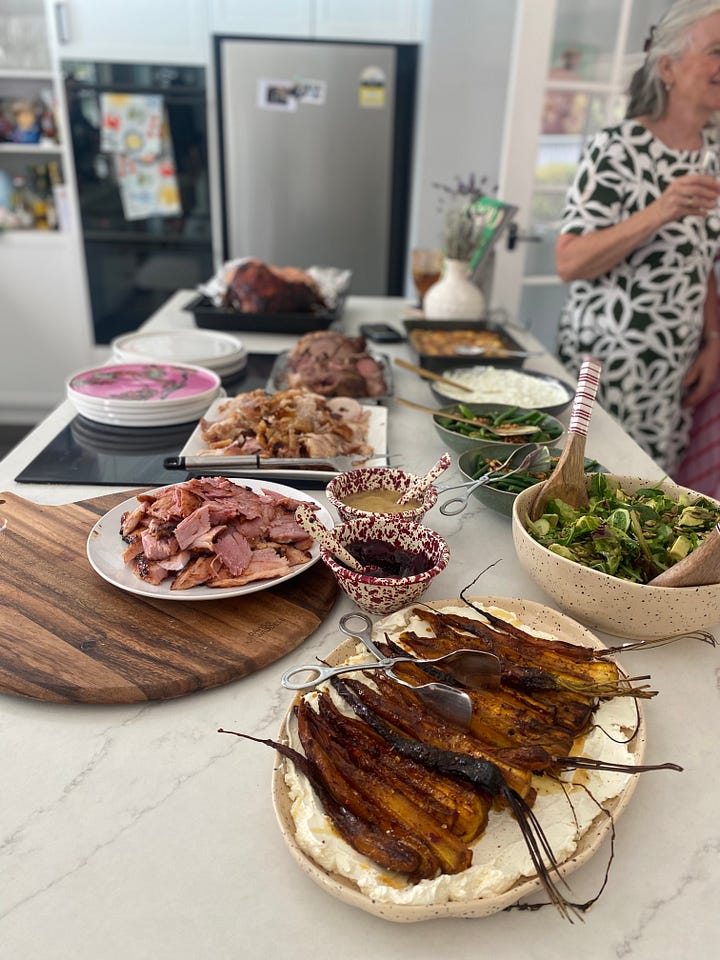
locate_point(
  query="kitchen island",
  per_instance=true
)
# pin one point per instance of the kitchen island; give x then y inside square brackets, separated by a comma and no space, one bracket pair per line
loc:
[139,832]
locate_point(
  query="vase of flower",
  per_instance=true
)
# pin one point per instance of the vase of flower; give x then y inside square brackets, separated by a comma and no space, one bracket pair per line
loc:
[454,296]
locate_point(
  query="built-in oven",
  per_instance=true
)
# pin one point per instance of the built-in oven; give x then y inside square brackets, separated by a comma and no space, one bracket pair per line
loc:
[139,140]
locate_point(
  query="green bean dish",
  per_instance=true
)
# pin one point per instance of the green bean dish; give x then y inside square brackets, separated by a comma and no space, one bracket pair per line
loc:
[521,481]
[548,428]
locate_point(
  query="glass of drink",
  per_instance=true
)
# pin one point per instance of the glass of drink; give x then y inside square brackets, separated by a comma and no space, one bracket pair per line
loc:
[426,269]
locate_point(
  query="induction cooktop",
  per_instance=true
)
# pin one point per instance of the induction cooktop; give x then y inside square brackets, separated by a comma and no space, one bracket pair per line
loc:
[85,452]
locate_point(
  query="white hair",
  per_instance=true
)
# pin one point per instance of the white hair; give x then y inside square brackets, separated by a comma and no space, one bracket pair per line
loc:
[668,38]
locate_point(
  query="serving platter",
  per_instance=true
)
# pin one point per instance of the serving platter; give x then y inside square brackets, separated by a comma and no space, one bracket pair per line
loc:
[225,318]
[376,438]
[447,395]
[535,617]
[105,548]
[278,379]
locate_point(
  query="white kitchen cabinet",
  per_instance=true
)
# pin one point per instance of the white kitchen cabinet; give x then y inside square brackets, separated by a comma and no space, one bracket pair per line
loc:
[281,18]
[44,313]
[159,31]
[389,21]
[45,322]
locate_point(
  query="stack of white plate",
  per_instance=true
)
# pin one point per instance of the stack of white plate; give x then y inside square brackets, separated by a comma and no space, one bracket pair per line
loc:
[143,394]
[221,352]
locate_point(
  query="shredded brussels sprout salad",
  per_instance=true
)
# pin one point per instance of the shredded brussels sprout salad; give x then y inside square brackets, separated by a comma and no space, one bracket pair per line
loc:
[631,536]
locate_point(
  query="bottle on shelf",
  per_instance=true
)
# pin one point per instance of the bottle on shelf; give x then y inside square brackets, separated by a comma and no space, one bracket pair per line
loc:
[22,204]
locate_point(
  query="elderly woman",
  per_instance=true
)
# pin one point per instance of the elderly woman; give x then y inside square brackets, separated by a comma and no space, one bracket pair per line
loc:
[639,236]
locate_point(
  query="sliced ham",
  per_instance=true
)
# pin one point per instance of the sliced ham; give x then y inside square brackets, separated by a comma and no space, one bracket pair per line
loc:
[264,565]
[130,519]
[196,573]
[234,550]
[158,547]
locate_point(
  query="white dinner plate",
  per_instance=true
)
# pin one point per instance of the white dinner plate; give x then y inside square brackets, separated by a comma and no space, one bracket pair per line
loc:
[535,617]
[221,352]
[105,548]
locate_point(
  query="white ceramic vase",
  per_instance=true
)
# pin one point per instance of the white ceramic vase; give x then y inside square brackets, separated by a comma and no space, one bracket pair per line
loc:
[454,296]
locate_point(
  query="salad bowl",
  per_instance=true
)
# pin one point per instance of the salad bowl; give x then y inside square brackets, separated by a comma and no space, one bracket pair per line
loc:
[618,607]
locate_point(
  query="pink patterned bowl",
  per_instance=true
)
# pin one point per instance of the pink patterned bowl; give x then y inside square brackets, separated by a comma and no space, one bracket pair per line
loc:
[366,479]
[380,595]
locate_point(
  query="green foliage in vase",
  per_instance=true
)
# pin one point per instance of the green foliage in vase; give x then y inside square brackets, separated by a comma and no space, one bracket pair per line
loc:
[461,229]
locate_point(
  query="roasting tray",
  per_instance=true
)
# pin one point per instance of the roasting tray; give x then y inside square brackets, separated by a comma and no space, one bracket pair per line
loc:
[438,363]
[209,316]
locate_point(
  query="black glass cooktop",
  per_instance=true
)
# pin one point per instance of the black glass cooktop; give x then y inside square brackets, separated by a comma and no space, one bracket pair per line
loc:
[85,452]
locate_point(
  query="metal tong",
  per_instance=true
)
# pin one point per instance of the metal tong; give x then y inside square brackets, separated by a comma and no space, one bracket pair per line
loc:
[475,669]
[256,462]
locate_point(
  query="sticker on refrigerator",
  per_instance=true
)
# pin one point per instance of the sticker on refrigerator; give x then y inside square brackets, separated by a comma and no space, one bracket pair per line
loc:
[276,95]
[371,93]
[312,92]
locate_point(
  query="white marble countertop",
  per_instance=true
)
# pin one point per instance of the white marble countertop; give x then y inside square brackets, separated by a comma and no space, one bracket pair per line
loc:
[139,832]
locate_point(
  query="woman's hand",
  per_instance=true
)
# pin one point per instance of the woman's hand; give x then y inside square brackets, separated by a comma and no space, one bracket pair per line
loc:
[703,373]
[694,194]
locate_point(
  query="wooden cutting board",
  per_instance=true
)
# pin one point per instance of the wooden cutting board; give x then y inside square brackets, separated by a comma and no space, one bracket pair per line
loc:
[68,636]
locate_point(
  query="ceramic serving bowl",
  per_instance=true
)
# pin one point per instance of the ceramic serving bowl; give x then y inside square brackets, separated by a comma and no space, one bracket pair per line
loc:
[508,386]
[497,499]
[618,607]
[366,479]
[551,428]
[380,595]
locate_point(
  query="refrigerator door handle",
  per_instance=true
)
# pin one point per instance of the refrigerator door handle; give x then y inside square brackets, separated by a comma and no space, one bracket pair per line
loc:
[62,21]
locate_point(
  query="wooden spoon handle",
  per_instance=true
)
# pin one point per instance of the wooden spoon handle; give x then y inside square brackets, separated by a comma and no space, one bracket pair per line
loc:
[429,375]
[567,481]
[587,387]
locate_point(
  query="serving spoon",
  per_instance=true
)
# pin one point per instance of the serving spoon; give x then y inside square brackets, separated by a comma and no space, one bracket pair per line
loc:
[567,482]
[697,569]
[429,375]
[306,518]
[416,490]
[502,430]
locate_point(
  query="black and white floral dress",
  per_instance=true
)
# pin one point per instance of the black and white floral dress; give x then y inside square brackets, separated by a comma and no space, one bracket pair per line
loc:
[644,318]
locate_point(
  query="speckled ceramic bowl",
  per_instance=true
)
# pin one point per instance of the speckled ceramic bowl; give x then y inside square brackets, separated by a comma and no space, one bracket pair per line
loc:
[379,595]
[461,442]
[618,607]
[376,478]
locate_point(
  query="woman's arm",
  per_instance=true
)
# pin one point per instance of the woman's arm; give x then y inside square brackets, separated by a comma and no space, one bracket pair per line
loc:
[590,255]
[703,373]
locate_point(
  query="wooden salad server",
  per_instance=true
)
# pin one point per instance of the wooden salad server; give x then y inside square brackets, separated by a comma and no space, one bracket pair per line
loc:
[429,375]
[504,430]
[699,568]
[567,481]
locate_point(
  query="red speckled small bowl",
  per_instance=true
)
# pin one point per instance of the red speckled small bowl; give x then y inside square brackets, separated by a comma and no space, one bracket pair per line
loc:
[376,478]
[380,595]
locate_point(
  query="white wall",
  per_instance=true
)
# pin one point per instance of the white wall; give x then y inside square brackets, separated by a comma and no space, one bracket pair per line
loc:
[463,86]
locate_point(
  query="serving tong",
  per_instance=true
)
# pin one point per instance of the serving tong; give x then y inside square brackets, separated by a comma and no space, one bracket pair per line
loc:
[255,462]
[475,669]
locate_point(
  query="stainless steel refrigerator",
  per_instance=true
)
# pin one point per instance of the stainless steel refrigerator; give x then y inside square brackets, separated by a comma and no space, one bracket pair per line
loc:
[315,154]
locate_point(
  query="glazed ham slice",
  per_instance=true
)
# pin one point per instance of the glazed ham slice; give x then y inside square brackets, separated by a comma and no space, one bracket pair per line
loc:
[213,532]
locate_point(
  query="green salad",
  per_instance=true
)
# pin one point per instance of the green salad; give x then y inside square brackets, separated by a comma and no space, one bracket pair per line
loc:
[631,536]
[547,427]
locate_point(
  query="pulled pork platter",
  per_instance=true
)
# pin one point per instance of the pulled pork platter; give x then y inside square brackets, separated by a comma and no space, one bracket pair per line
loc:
[290,423]
[204,538]
[408,816]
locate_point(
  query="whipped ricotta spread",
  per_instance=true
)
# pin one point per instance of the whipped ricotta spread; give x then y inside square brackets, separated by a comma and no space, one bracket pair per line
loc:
[500,385]
[500,857]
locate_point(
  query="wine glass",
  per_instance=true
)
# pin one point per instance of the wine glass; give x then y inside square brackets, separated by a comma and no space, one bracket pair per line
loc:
[710,162]
[426,270]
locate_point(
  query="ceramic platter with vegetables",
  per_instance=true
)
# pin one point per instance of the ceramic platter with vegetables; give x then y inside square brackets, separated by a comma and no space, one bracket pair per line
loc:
[486,423]
[407,816]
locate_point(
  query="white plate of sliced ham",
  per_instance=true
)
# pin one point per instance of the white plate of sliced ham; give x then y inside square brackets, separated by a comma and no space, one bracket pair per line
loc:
[204,539]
